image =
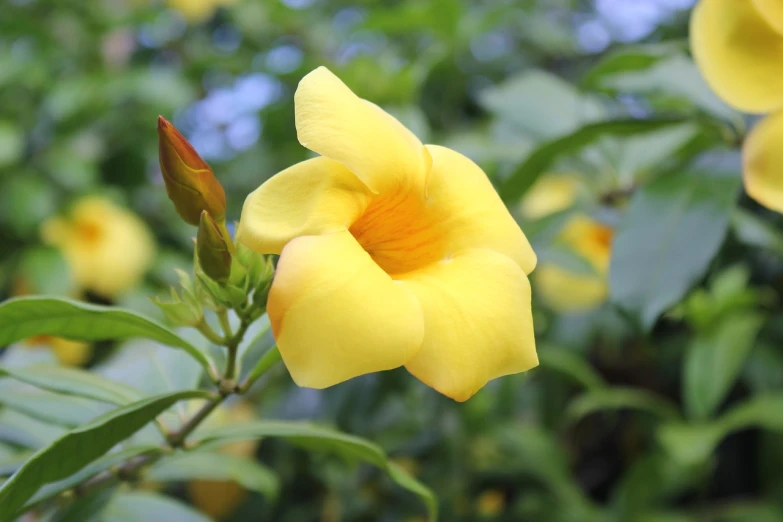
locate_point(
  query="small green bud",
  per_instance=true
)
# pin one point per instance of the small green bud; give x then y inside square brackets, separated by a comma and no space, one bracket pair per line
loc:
[179,312]
[212,250]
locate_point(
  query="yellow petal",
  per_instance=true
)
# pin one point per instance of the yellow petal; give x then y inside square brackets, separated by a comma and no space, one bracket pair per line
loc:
[336,315]
[739,53]
[406,230]
[772,11]
[566,291]
[590,239]
[332,121]
[762,157]
[478,322]
[316,196]
[550,194]
[468,211]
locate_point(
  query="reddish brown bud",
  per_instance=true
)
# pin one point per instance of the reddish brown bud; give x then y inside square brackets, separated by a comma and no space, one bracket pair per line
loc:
[190,183]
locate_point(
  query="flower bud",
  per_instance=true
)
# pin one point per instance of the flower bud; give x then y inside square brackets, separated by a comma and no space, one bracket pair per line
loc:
[212,250]
[190,183]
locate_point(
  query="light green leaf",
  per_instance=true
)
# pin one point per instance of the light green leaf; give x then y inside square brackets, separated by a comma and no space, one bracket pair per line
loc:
[672,229]
[71,381]
[545,156]
[318,438]
[25,317]
[618,398]
[51,407]
[142,506]
[202,465]
[571,364]
[11,143]
[22,430]
[541,104]
[714,361]
[79,447]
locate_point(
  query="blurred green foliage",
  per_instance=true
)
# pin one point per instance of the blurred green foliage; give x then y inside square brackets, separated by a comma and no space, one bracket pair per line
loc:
[661,403]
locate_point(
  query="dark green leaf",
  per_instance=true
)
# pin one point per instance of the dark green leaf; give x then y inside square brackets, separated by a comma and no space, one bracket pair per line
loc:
[617,398]
[672,229]
[79,447]
[26,317]
[714,361]
[545,156]
[571,364]
[324,439]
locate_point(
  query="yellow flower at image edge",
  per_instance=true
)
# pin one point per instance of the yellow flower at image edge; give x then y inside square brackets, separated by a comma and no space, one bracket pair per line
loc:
[738,46]
[392,253]
[567,290]
[198,10]
[107,248]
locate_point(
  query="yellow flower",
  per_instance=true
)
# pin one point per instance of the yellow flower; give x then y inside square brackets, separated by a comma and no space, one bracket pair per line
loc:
[551,194]
[391,253]
[738,45]
[568,290]
[198,10]
[491,503]
[107,248]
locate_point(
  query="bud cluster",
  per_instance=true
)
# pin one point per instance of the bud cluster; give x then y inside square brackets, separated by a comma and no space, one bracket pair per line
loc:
[227,276]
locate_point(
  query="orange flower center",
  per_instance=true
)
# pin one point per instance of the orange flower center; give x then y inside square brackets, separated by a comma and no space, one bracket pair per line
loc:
[398,233]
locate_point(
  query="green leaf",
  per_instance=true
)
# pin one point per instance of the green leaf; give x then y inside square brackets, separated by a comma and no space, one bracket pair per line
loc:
[25,317]
[318,438]
[79,447]
[71,381]
[90,470]
[545,156]
[714,361]
[202,465]
[571,364]
[22,430]
[142,506]
[541,104]
[694,443]
[672,229]
[754,231]
[51,407]
[618,398]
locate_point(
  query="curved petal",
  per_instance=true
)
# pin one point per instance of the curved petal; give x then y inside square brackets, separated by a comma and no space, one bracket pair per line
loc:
[468,212]
[317,196]
[772,11]
[738,53]
[478,322]
[336,315]
[566,291]
[332,121]
[762,157]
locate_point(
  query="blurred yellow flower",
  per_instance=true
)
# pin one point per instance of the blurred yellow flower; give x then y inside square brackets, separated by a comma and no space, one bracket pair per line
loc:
[392,253]
[569,290]
[490,503]
[220,498]
[108,248]
[552,193]
[198,10]
[738,45]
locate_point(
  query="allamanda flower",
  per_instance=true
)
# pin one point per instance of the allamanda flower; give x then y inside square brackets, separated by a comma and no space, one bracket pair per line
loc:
[107,247]
[392,253]
[738,45]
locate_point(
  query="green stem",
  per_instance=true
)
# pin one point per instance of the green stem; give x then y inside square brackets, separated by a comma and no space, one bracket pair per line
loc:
[177,439]
[209,333]
[224,324]
[270,358]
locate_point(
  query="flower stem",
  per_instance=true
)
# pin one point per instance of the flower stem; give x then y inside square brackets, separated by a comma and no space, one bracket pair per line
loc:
[269,359]
[209,333]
